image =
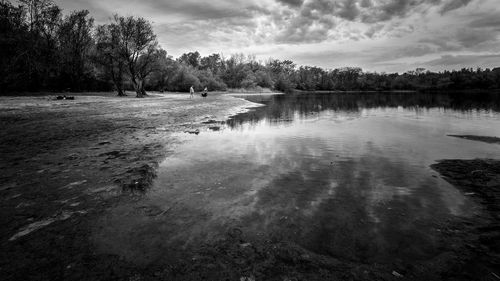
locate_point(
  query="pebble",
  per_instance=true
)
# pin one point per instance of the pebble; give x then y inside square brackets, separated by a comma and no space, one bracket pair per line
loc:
[398,275]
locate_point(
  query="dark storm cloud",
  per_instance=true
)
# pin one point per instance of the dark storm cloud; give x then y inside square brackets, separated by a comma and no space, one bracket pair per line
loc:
[382,54]
[310,24]
[373,29]
[453,5]
[387,10]
[316,18]
[98,13]
[466,60]
[480,34]
[306,30]
[366,3]
[348,10]
[469,38]
[487,21]
[197,10]
[292,3]
[152,9]
[442,44]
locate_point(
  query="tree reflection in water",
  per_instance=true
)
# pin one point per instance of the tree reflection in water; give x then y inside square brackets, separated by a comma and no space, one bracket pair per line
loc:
[284,108]
[344,175]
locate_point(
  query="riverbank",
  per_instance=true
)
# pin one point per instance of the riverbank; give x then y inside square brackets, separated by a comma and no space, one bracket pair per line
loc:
[64,162]
[74,202]
[479,179]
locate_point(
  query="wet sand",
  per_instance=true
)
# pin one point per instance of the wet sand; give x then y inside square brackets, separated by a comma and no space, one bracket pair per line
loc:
[479,179]
[64,162]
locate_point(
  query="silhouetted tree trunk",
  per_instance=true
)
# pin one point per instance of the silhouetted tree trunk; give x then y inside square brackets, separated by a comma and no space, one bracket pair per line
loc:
[118,82]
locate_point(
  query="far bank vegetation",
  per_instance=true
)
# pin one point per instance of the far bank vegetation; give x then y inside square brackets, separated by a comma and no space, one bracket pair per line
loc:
[44,50]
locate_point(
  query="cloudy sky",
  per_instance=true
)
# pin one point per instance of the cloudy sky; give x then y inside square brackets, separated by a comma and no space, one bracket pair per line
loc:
[377,35]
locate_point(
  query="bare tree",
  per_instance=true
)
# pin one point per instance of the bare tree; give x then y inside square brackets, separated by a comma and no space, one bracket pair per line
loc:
[137,47]
[147,64]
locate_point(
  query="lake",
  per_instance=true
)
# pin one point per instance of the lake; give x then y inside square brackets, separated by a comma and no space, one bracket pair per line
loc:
[344,175]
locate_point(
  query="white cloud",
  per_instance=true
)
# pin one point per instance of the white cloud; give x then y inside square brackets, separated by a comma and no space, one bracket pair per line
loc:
[382,35]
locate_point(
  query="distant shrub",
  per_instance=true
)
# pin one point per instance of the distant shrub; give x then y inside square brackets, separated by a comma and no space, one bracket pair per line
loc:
[183,80]
[212,82]
[283,84]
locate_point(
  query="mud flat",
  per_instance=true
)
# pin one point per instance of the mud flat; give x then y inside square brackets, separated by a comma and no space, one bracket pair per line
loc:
[64,162]
[485,139]
[480,179]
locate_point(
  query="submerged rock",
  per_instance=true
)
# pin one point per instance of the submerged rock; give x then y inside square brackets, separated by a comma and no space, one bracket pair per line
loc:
[211,121]
[214,128]
[194,132]
[65,98]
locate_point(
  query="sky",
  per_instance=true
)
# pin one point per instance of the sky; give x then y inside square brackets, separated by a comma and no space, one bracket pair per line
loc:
[376,35]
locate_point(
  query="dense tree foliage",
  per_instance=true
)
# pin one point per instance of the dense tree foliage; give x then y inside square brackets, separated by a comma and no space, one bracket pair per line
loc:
[109,64]
[75,38]
[44,50]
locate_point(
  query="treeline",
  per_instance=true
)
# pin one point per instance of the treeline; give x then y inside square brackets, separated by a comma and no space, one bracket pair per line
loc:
[44,50]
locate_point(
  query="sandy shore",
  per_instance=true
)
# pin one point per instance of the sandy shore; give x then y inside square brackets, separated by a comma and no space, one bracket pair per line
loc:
[64,162]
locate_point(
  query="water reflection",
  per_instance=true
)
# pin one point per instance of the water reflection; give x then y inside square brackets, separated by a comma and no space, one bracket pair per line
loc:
[364,210]
[284,108]
[343,175]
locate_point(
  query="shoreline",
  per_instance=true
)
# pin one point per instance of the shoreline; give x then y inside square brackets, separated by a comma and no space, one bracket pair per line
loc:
[153,94]
[480,180]
[485,139]
[69,163]
[65,162]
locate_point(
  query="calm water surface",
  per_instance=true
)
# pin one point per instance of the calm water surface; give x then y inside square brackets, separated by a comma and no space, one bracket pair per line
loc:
[344,175]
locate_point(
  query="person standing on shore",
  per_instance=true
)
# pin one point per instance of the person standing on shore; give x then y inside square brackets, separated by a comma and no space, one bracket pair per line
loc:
[205,92]
[191,92]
